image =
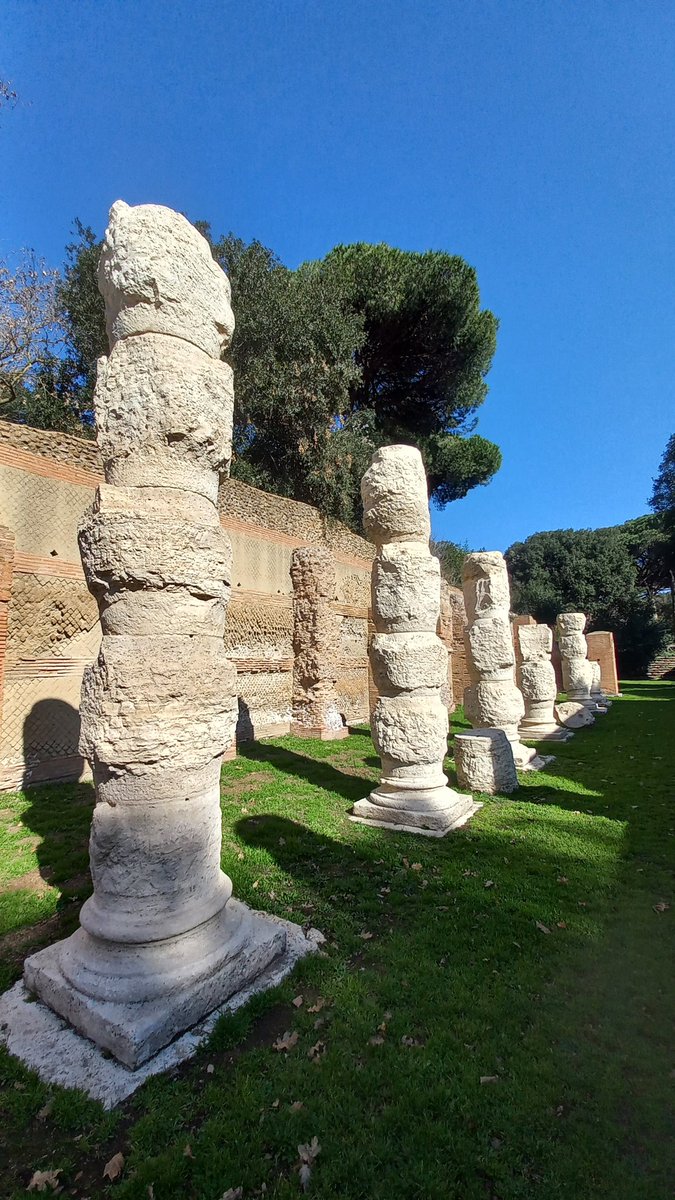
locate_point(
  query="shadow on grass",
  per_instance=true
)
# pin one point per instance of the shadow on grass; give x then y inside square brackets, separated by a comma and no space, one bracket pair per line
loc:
[318,772]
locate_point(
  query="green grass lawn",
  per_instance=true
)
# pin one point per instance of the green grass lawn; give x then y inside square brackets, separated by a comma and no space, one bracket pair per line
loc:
[491,1019]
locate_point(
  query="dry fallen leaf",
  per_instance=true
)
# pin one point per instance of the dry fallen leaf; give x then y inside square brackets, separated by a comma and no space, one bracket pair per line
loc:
[489,883]
[187,1152]
[314,1008]
[415,866]
[562,879]
[542,928]
[210,1069]
[41,1180]
[308,1152]
[298,1002]
[376,1040]
[46,1110]
[232,1194]
[410,1041]
[286,1042]
[151,1191]
[661,907]
[489,1078]
[113,1169]
[561,924]
[366,935]
[315,1052]
[297,1105]
[256,883]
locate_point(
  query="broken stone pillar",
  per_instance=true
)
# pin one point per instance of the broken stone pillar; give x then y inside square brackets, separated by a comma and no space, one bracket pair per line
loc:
[597,693]
[538,684]
[492,700]
[315,645]
[445,623]
[573,715]
[484,761]
[161,942]
[577,671]
[409,661]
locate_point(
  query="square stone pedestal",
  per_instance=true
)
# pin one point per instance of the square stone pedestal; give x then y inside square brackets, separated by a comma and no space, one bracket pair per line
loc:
[49,1045]
[323,734]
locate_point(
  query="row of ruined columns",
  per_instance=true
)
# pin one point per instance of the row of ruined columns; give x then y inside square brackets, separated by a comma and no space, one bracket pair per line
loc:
[162,941]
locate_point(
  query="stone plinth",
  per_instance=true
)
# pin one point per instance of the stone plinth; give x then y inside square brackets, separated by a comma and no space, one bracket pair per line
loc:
[315,645]
[577,671]
[492,700]
[408,660]
[161,941]
[484,761]
[538,684]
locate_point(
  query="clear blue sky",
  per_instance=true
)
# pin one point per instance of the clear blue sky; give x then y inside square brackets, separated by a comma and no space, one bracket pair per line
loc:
[535,138]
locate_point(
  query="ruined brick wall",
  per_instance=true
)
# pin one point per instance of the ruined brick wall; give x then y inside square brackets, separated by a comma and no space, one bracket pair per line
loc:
[460,673]
[601,649]
[52,632]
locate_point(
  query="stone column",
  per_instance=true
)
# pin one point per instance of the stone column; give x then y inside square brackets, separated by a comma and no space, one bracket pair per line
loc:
[445,622]
[161,942]
[538,684]
[492,700]
[577,671]
[315,645]
[409,661]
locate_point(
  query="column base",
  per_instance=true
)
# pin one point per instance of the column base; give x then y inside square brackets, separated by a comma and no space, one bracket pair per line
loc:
[407,814]
[544,733]
[134,1031]
[527,759]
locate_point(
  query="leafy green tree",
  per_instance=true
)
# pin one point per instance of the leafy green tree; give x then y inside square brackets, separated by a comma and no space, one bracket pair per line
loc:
[427,349]
[451,556]
[662,502]
[83,312]
[590,571]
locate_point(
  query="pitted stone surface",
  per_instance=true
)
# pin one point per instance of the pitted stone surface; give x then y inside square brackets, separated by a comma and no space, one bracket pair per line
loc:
[164,412]
[157,275]
[492,699]
[573,714]
[316,645]
[394,491]
[160,943]
[409,661]
[484,761]
[538,683]
[577,671]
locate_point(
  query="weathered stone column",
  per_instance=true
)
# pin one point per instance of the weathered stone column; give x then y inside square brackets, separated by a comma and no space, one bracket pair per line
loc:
[445,622]
[577,671]
[538,684]
[409,662]
[161,943]
[315,645]
[492,700]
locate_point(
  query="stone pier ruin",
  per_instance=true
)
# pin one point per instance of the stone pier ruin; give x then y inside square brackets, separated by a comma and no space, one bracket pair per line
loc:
[577,671]
[409,661]
[492,700]
[538,684]
[161,941]
[315,645]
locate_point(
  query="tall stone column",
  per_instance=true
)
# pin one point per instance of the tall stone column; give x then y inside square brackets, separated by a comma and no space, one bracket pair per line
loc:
[409,661]
[538,684]
[492,700]
[577,671]
[161,941]
[315,645]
